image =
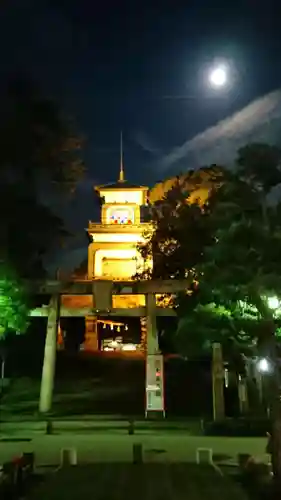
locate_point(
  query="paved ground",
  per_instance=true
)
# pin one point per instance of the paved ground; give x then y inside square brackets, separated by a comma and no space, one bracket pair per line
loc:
[102,445]
[149,482]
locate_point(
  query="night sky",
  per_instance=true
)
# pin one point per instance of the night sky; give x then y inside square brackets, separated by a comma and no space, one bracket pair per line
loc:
[141,67]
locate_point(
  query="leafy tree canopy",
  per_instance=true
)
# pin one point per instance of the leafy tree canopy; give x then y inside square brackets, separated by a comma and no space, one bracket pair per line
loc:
[29,230]
[13,303]
[230,248]
[242,263]
[259,164]
[178,237]
[38,143]
[195,182]
[40,156]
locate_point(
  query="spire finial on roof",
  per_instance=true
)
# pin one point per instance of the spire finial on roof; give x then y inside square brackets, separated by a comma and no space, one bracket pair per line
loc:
[121,172]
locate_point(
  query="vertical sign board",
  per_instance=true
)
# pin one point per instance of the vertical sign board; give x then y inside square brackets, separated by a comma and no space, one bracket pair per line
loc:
[102,295]
[154,384]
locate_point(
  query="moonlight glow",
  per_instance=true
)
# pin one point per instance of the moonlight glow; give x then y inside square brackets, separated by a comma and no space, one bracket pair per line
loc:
[218,77]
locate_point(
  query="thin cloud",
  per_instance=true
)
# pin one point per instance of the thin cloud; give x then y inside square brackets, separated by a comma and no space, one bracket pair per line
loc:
[259,121]
[147,145]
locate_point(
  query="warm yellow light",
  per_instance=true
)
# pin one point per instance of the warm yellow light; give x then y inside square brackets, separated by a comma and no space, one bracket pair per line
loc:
[117,263]
[113,253]
[128,301]
[129,347]
[135,237]
[120,196]
[160,189]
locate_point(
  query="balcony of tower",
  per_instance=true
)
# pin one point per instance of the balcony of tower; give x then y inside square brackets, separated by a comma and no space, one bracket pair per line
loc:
[99,227]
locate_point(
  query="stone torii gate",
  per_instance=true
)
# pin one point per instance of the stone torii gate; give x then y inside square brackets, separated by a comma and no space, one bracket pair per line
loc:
[101,292]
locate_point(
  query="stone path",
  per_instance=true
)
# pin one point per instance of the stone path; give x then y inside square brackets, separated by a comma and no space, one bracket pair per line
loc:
[138,482]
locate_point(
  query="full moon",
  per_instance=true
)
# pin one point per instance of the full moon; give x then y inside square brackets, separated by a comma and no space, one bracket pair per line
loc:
[218,77]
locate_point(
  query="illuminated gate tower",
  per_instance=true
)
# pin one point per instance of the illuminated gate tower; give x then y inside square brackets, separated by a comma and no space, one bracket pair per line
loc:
[112,253]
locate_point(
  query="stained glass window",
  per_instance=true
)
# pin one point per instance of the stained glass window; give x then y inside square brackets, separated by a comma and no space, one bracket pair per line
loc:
[121,215]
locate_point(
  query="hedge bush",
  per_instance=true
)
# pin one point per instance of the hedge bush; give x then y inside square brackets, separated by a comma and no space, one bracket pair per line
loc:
[252,427]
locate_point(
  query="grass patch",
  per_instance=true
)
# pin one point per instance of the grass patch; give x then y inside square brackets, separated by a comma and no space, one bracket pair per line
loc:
[239,427]
[80,397]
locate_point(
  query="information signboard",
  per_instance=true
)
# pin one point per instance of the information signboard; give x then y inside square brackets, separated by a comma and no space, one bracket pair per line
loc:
[154,384]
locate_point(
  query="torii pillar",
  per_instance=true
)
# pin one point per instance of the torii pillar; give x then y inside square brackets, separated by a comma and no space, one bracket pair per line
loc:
[91,334]
[151,326]
[154,389]
[49,363]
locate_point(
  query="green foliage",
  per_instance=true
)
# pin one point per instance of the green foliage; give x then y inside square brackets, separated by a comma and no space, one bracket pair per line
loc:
[211,323]
[29,230]
[260,165]
[38,142]
[179,235]
[13,303]
[239,427]
[242,263]
[40,160]
[243,260]
[231,247]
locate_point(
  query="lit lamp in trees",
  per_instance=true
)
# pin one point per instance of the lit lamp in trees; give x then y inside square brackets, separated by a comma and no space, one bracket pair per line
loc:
[273,303]
[265,364]
[263,367]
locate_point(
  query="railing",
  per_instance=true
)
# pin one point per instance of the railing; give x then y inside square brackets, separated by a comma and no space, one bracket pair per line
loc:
[145,226]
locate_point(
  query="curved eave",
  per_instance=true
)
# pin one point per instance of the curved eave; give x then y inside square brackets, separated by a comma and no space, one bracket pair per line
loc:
[120,186]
